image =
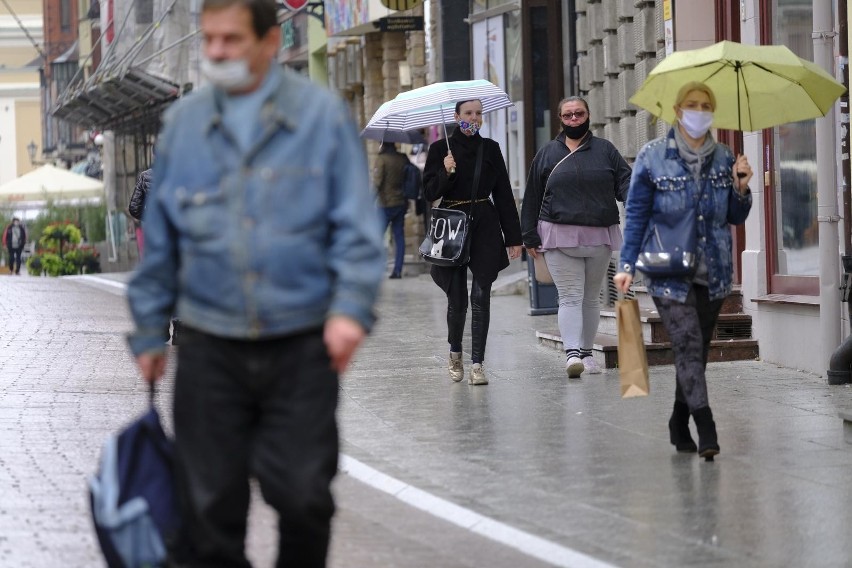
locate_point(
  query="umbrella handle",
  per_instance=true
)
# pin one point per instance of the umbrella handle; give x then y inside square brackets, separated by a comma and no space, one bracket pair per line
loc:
[447,138]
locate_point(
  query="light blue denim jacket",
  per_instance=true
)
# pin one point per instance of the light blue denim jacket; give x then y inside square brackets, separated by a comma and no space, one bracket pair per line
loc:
[662,183]
[263,243]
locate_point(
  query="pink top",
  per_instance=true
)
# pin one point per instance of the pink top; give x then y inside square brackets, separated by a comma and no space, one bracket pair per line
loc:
[554,235]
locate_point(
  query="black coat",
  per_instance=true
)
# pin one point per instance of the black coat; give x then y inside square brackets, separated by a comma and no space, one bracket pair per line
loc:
[583,190]
[495,223]
[139,195]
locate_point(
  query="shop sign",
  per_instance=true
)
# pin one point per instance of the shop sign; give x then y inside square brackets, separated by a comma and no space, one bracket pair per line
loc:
[400,24]
[401,4]
[294,5]
[288,34]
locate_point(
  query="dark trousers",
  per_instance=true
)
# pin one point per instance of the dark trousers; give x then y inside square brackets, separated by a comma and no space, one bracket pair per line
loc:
[395,217]
[264,409]
[690,327]
[480,301]
[15,259]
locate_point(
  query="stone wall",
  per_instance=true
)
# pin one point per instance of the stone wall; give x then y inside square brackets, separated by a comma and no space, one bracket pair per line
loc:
[383,55]
[618,43]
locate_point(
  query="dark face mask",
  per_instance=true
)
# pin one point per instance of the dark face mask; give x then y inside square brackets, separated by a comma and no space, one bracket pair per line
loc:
[576,132]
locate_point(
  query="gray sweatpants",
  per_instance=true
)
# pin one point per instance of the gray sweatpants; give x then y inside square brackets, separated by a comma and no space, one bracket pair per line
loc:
[578,273]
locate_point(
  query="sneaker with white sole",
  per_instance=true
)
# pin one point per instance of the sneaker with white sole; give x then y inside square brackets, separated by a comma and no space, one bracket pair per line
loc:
[590,365]
[477,375]
[456,367]
[574,367]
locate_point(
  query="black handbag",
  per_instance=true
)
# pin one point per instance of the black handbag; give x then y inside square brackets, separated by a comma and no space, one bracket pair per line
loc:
[448,241]
[670,248]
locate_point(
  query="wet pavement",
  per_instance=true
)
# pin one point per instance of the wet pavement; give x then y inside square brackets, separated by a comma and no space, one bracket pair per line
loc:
[531,470]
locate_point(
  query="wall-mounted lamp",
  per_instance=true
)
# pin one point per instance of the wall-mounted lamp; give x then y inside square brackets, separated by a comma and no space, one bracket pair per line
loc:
[31,150]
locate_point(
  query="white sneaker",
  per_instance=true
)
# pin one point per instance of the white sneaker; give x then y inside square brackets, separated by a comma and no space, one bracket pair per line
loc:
[456,367]
[477,375]
[590,365]
[574,366]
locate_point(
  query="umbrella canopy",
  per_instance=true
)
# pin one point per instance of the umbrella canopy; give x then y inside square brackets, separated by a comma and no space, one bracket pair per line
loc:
[395,136]
[756,86]
[50,182]
[384,133]
[435,104]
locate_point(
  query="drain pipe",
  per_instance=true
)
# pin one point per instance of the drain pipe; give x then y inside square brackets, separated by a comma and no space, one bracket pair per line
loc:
[827,214]
[841,360]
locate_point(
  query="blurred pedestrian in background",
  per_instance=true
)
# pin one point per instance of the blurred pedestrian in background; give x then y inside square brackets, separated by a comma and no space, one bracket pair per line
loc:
[495,232]
[388,175]
[262,233]
[15,237]
[570,215]
[687,169]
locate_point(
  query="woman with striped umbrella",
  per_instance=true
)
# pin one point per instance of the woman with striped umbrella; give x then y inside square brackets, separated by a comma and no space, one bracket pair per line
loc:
[495,229]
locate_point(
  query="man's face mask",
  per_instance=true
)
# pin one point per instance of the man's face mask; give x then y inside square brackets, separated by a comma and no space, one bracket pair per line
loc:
[229,75]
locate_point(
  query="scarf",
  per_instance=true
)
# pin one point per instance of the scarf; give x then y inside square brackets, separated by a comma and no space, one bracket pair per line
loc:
[694,158]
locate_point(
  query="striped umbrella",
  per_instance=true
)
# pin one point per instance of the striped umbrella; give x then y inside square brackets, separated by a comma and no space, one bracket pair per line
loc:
[435,104]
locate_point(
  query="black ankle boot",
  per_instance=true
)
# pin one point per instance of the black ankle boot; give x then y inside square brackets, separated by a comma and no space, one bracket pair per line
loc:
[679,429]
[708,446]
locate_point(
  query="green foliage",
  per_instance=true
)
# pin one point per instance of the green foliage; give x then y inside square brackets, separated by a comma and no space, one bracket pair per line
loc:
[34,265]
[90,219]
[60,253]
[86,260]
[54,265]
[58,234]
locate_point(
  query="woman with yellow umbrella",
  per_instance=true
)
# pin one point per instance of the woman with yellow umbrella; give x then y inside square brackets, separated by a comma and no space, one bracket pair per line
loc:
[687,175]
[686,190]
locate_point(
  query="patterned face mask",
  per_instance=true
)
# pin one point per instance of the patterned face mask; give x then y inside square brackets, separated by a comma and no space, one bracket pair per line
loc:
[469,128]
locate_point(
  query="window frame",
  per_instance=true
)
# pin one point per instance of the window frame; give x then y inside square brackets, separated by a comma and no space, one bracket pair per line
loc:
[777,283]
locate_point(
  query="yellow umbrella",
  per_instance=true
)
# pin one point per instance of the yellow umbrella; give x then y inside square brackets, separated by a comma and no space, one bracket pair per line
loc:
[756,86]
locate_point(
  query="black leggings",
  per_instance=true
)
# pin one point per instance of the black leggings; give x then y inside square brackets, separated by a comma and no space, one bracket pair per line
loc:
[480,300]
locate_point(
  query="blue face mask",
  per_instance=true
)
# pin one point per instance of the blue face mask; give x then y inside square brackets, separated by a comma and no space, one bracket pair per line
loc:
[469,128]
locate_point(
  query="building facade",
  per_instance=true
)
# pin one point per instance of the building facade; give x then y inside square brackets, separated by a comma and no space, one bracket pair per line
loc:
[21,40]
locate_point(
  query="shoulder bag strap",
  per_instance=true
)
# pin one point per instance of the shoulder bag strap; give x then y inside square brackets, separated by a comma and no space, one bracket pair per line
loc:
[547,183]
[476,174]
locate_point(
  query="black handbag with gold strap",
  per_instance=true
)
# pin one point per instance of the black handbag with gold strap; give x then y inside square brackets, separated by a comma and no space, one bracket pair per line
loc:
[448,241]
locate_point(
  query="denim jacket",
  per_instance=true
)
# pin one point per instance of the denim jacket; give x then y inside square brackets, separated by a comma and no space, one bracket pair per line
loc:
[662,183]
[262,243]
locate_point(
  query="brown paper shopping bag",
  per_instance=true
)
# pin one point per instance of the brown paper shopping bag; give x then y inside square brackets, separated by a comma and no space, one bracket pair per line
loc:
[632,361]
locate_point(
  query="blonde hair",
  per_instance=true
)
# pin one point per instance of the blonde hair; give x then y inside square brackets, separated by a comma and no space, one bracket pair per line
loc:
[694,86]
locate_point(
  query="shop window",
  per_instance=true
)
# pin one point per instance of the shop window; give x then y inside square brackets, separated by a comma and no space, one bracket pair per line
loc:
[795,158]
[65,15]
[790,153]
[144,11]
[478,6]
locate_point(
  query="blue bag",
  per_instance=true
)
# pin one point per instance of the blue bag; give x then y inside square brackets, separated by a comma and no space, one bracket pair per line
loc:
[133,496]
[412,181]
